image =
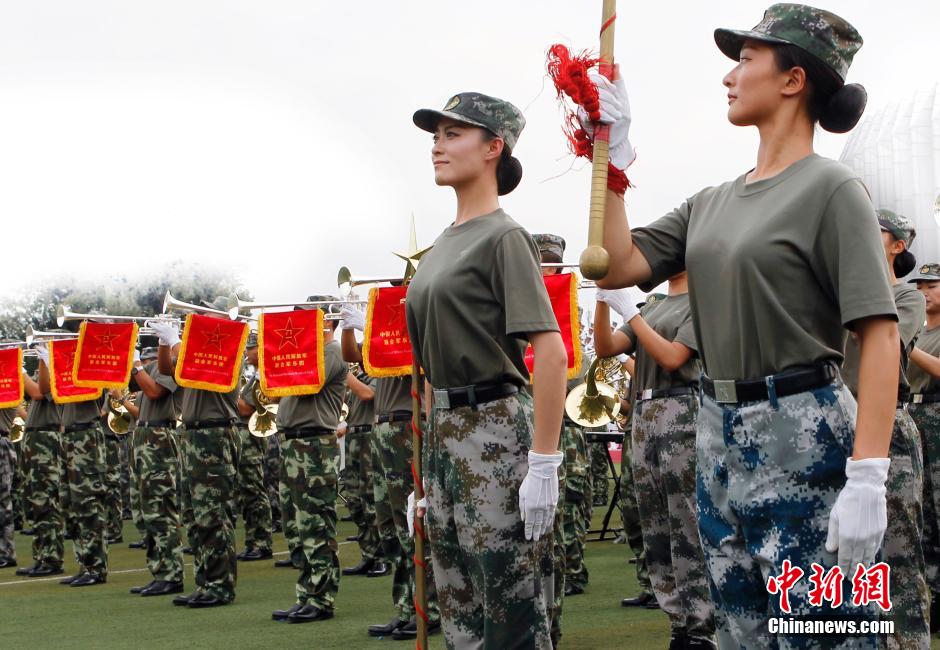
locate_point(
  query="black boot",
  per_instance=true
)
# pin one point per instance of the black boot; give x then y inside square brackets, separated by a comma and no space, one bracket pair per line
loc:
[7,563]
[644,599]
[409,632]
[362,568]
[138,544]
[309,614]
[137,590]
[163,588]
[679,639]
[378,570]
[25,570]
[282,614]
[87,579]
[387,630]
[42,570]
[283,564]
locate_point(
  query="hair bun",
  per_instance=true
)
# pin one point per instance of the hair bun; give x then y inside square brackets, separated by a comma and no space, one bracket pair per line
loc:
[844,109]
[508,175]
[904,263]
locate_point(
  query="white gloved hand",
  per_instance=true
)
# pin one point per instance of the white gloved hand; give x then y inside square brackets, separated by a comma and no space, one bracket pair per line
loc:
[136,355]
[619,300]
[43,353]
[167,333]
[538,494]
[412,506]
[353,319]
[859,517]
[615,111]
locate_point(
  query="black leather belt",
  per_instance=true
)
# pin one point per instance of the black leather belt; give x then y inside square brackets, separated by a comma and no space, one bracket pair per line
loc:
[155,424]
[643,395]
[394,416]
[735,391]
[207,424]
[305,432]
[603,436]
[51,428]
[361,428]
[241,426]
[924,398]
[451,398]
[84,426]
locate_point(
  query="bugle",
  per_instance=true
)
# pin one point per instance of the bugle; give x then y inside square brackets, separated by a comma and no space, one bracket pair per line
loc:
[63,314]
[236,304]
[173,305]
[37,336]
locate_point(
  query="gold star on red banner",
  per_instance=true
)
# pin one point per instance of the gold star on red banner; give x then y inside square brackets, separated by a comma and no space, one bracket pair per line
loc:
[215,338]
[289,334]
[106,340]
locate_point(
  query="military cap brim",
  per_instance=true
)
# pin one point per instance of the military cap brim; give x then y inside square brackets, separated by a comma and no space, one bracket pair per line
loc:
[730,41]
[426,119]
[924,277]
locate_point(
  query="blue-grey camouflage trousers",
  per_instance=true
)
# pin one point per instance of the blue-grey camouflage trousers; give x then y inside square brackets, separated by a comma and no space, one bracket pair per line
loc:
[494,587]
[768,475]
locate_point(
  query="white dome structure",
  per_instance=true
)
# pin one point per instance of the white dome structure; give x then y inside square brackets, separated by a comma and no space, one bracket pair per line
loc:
[896,151]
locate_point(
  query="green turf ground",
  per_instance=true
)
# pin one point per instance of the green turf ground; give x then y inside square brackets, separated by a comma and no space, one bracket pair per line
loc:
[40,613]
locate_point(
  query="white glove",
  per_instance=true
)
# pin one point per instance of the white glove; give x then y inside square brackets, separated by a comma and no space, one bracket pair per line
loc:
[136,355]
[859,517]
[353,319]
[538,494]
[618,300]
[615,111]
[412,506]
[43,353]
[168,333]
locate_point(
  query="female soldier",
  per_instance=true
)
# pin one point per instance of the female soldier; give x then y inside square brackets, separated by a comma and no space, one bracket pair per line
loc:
[779,260]
[475,301]
[665,388]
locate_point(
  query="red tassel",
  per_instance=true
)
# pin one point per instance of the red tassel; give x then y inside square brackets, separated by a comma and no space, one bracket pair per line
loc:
[570,76]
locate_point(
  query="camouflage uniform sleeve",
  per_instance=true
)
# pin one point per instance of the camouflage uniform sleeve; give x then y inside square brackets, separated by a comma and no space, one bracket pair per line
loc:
[663,244]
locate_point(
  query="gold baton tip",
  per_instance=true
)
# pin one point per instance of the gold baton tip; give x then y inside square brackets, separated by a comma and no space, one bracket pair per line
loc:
[594,262]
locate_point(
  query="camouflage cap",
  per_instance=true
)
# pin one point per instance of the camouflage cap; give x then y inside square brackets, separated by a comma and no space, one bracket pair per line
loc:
[823,34]
[477,109]
[327,309]
[651,299]
[220,303]
[252,340]
[551,244]
[898,225]
[146,354]
[926,273]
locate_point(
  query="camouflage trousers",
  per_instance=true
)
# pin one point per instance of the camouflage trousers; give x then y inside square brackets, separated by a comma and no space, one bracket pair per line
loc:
[187,519]
[112,481]
[134,477]
[21,516]
[309,469]
[212,462]
[394,442]
[125,460]
[85,454]
[664,472]
[768,474]
[557,602]
[927,419]
[156,463]
[362,497]
[575,509]
[42,453]
[252,493]
[630,514]
[597,454]
[272,473]
[494,587]
[902,550]
[392,552]
[7,470]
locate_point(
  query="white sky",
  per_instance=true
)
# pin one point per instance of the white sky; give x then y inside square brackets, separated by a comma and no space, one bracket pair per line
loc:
[251,135]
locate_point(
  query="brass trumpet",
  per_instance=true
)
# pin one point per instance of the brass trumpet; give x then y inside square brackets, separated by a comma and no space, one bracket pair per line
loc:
[263,422]
[63,314]
[236,304]
[345,278]
[22,345]
[171,305]
[17,429]
[593,403]
[119,419]
[36,336]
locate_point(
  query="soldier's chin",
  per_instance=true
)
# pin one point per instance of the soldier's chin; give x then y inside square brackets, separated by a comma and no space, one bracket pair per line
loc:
[442,178]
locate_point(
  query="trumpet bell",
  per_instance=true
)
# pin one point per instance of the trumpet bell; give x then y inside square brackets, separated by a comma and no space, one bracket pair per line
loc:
[119,423]
[593,410]
[262,424]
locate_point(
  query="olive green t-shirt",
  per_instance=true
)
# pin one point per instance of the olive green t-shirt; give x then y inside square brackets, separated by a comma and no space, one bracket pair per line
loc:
[671,318]
[361,411]
[921,382]
[82,412]
[475,298]
[776,267]
[44,414]
[322,409]
[203,405]
[911,309]
[159,409]
[392,394]
[6,419]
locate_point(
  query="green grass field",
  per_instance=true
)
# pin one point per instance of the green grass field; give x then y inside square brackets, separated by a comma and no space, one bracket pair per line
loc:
[40,613]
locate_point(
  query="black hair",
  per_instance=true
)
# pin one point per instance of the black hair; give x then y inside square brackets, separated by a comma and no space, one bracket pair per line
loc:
[508,169]
[904,262]
[835,105]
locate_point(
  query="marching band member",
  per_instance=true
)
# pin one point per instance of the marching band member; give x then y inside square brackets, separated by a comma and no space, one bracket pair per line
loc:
[779,261]
[7,469]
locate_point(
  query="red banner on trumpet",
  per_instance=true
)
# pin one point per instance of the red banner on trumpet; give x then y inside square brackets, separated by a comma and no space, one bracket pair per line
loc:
[563,292]
[290,352]
[11,378]
[386,348]
[210,356]
[105,355]
[62,355]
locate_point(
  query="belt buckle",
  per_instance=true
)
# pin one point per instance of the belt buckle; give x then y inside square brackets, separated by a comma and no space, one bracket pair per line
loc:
[646,394]
[917,398]
[726,391]
[441,398]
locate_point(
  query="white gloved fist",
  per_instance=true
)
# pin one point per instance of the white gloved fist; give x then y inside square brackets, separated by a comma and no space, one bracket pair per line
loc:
[136,355]
[353,319]
[412,506]
[859,517]
[615,111]
[167,333]
[538,494]
[619,300]
[43,353]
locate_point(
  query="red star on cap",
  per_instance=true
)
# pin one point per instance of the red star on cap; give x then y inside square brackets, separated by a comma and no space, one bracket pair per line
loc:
[214,339]
[289,334]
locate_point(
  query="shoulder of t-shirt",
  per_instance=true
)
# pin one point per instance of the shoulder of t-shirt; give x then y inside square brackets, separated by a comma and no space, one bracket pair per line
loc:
[832,174]
[909,296]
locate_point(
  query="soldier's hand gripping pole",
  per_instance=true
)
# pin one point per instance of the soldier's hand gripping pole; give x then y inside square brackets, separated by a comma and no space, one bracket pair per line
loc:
[595,260]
